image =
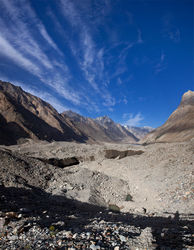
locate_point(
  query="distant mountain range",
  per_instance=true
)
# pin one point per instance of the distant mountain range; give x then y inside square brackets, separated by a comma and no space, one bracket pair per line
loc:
[23,115]
[139,132]
[100,129]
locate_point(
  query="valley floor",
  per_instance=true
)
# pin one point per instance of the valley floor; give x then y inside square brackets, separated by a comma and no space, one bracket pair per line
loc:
[113,196]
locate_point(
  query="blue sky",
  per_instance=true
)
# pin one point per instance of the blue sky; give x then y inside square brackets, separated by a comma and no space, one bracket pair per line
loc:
[129,59]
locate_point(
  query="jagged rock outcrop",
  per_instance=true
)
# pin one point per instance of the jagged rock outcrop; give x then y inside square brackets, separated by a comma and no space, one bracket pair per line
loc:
[23,115]
[180,125]
[100,129]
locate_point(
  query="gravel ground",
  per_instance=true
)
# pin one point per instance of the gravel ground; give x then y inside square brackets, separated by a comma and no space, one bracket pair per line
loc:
[142,201]
[51,222]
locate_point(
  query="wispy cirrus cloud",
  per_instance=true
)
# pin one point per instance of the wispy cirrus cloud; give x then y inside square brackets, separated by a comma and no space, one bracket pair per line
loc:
[161,64]
[174,35]
[23,39]
[130,45]
[24,42]
[58,83]
[46,36]
[25,49]
[122,68]
[125,101]
[124,52]
[30,13]
[132,119]
[170,30]
[61,86]
[109,101]
[44,95]
[89,57]
[9,51]
[139,37]
[21,22]
[119,81]
[92,60]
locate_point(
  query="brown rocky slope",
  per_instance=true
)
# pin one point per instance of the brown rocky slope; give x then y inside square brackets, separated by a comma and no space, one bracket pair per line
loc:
[100,129]
[23,115]
[180,125]
[115,129]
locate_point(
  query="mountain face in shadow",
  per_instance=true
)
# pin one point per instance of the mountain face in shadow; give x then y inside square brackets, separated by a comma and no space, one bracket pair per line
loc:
[23,115]
[180,125]
[101,128]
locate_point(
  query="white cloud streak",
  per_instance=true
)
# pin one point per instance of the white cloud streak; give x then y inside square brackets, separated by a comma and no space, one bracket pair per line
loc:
[25,42]
[42,29]
[133,120]
[89,58]
[8,50]
[20,29]
[109,101]
[124,53]
[23,38]
[45,96]
[32,15]
[161,65]
[60,86]
[26,51]
[139,36]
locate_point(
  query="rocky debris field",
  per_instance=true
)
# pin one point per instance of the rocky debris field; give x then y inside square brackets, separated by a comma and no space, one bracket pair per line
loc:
[78,196]
[33,219]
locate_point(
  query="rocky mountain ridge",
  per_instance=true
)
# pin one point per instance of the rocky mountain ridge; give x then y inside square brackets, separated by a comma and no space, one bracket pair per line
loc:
[25,116]
[180,125]
[101,128]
